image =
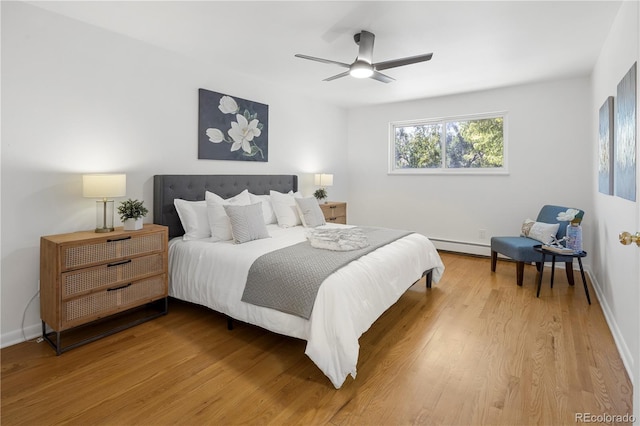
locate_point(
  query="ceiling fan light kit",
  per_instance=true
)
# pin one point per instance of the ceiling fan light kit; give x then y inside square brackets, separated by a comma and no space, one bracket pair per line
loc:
[361,69]
[363,66]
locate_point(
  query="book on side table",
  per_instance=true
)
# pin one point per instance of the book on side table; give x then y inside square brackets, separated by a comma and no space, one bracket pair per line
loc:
[556,249]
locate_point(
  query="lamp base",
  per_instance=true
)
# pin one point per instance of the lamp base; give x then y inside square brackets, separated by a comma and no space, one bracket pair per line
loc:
[104,216]
[99,230]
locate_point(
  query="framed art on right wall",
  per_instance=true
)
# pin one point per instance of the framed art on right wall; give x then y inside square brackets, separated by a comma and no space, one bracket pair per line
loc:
[624,176]
[605,147]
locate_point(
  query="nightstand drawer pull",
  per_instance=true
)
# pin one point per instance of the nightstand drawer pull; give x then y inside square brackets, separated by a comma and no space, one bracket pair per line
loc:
[118,239]
[124,262]
[119,288]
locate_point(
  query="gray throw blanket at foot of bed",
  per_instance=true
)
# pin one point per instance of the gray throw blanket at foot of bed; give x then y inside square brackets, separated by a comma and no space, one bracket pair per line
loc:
[288,279]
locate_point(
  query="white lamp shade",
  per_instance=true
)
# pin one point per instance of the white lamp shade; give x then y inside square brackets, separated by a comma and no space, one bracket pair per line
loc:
[104,186]
[323,179]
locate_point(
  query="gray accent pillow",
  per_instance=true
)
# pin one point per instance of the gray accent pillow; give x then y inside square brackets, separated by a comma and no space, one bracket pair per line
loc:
[310,212]
[247,222]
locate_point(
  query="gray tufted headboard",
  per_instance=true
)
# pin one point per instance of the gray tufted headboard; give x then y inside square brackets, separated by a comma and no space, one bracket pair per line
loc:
[166,188]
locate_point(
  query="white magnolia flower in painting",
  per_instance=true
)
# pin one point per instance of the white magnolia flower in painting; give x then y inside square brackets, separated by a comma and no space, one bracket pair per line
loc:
[228,105]
[243,132]
[215,135]
[567,216]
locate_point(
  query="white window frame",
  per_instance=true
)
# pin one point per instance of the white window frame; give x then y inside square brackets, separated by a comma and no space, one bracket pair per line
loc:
[443,170]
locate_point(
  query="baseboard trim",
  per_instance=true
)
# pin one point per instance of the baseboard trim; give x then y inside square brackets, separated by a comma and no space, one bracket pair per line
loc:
[621,344]
[462,247]
[14,337]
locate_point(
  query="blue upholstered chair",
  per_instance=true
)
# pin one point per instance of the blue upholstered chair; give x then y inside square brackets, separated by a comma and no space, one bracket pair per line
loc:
[521,249]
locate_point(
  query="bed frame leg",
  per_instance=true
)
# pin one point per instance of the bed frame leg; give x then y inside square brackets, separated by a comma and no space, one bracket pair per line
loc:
[229,323]
[429,277]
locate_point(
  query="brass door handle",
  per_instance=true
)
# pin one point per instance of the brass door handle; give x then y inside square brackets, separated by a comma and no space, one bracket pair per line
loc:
[626,238]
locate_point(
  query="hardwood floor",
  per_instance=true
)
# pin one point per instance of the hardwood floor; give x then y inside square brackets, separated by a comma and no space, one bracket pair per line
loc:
[474,350]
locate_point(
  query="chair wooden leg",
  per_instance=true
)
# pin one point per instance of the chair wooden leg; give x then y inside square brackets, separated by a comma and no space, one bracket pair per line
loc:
[494,260]
[519,273]
[568,266]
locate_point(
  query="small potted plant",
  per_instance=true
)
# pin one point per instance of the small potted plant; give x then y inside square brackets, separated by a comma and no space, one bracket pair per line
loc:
[320,194]
[131,213]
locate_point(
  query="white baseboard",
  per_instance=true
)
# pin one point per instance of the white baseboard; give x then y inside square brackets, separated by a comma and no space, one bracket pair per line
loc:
[462,247]
[16,336]
[621,344]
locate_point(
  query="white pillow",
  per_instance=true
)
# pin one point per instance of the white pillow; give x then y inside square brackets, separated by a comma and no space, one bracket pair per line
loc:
[310,212]
[284,205]
[193,215]
[540,231]
[267,208]
[219,224]
[247,222]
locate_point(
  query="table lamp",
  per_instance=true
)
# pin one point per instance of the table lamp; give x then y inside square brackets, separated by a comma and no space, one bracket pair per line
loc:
[104,186]
[323,180]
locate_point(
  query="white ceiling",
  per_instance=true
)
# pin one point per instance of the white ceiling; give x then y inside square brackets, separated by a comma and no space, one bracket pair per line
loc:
[476,45]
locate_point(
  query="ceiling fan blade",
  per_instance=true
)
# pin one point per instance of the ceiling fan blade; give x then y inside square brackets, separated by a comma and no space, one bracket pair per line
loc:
[365,51]
[342,74]
[382,77]
[325,61]
[400,62]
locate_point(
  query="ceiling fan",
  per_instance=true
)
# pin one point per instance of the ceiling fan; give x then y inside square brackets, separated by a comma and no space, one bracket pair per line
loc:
[363,66]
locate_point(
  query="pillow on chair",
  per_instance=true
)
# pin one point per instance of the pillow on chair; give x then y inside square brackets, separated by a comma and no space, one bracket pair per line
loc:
[543,232]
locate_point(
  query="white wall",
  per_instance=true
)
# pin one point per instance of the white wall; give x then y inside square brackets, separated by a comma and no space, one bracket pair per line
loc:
[616,268]
[78,99]
[549,158]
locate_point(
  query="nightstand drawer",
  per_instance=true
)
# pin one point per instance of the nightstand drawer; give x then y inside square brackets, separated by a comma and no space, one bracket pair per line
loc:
[119,247]
[334,212]
[86,280]
[337,210]
[111,300]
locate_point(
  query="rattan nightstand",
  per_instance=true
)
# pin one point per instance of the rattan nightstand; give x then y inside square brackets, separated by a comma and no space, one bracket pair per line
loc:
[334,211]
[87,276]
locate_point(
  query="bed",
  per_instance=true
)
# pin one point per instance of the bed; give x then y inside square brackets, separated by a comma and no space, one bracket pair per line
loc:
[348,301]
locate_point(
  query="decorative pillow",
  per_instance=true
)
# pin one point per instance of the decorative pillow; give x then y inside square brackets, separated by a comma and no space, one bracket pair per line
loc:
[193,215]
[284,205]
[218,219]
[247,222]
[267,208]
[543,232]
[310,213]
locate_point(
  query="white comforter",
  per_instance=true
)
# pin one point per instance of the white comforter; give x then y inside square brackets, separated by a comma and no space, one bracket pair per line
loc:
[348,302]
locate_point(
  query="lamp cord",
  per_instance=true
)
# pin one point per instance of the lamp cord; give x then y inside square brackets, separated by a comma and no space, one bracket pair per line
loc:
[24,313]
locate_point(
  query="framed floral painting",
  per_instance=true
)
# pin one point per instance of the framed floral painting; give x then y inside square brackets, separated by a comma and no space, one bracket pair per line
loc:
[605,147]
[232,128]
[624,179]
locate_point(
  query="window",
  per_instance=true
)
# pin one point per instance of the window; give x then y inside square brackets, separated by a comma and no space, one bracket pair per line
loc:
[471,144]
